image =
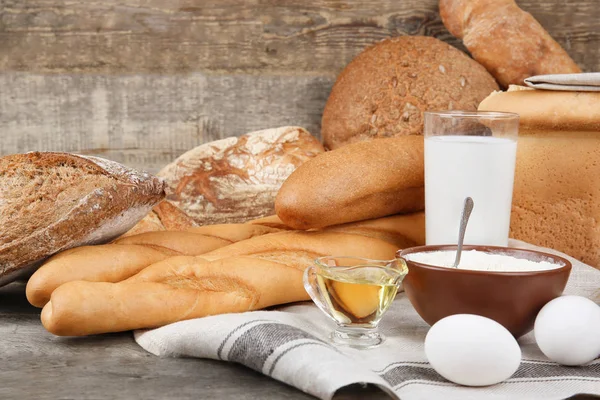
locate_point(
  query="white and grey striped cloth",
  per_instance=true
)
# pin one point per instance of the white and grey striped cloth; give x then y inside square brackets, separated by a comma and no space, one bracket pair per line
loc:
[291,345]
[584,82]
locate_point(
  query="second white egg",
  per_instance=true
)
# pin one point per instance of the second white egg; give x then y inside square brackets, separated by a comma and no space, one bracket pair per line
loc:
[567,330]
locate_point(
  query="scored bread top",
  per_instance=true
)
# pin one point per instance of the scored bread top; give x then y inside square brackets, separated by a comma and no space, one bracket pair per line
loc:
[233,179]
[53,201]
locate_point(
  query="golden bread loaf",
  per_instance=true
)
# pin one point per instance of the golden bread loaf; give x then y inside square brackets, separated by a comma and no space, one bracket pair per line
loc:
[127,256]
[252,274]
[506,40]
[359,181]
[556,200]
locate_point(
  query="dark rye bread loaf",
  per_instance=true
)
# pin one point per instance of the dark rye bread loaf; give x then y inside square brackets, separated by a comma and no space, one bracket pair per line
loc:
[384,91]
[50,202]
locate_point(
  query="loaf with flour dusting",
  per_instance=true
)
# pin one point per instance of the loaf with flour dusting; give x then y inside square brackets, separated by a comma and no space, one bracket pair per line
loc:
[231,180]
[51,202]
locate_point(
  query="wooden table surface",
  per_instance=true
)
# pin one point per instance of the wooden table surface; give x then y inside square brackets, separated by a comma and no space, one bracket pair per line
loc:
[35,364]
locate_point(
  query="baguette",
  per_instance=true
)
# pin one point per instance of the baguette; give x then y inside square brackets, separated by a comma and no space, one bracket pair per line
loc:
[302,248]
[356,182]
[233,232]
[506,40]
[105,263]
[182,243]
[187,289]
[403,230]
[272,221]
[253,274]
[129,255]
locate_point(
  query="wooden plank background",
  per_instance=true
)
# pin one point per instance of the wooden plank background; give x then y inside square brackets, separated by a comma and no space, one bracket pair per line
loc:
[141,81]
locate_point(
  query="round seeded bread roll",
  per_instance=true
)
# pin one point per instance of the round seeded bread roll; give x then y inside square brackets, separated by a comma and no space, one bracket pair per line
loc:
[385,89]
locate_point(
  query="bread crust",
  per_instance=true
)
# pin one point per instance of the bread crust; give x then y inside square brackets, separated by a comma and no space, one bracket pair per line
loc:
[384,91]
[330,190]
[70,201]
[233,180]
[506,40]
[556,198]
[249,275]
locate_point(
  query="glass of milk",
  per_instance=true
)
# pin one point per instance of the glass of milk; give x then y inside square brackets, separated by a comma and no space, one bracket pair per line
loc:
[469,154]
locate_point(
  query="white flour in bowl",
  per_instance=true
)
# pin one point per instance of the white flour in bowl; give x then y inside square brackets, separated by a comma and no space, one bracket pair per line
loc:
[481,261]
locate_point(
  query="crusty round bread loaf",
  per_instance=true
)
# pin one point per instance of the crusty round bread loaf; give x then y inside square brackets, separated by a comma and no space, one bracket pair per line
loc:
[385,89]
[231,180]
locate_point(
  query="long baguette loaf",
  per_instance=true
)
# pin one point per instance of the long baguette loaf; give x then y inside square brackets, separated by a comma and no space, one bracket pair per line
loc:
[506,40]
[257,273]
[188,289]
[272,221]
[129,255]
[330,189]
[303,247]
[105,263]
[402,230]
[233,232]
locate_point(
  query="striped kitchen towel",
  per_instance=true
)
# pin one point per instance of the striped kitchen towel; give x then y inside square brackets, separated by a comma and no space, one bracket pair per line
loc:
[584,82]
[291,345]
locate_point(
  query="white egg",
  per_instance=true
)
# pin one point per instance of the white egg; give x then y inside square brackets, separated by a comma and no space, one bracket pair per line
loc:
[567,330]
[472,350]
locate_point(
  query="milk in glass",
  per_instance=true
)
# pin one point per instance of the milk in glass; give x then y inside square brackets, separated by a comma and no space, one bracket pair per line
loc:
[480,167]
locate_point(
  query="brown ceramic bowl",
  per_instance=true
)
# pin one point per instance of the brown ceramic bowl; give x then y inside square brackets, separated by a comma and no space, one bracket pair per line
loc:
[511,298]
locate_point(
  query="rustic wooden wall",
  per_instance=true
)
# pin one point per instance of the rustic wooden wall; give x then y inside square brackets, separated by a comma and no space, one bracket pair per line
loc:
[141,81]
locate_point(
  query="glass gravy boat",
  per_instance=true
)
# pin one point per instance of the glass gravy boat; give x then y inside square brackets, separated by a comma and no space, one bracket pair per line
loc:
[355,293]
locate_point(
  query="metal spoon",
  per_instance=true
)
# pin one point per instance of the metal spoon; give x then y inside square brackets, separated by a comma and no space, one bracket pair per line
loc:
[464,220]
